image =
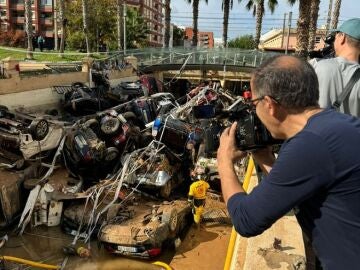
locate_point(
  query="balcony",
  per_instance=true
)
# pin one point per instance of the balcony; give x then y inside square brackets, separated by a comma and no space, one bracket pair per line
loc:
[18,20]
[47,22]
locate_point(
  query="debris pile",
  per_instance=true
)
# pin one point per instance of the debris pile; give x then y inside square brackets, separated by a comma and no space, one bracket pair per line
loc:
[115,164]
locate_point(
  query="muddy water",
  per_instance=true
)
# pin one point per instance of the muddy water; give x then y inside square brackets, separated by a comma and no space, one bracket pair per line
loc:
[44,244]
[203,248]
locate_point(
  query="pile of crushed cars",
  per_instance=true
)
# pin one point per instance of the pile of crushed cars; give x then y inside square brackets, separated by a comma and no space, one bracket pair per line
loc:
[115,164]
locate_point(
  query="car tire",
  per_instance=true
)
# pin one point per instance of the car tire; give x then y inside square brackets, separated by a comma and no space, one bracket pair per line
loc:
[111,154]
[39,129]
[109,125]
[170,217]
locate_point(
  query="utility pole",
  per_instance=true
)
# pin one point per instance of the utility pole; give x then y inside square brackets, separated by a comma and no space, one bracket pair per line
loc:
[283,31]
[329,17]
[288,33]
[124,22]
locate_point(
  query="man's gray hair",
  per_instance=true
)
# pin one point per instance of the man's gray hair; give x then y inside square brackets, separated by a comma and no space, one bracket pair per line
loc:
[289,80]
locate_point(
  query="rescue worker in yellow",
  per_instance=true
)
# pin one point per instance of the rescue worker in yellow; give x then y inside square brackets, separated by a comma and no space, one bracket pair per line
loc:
[197,193]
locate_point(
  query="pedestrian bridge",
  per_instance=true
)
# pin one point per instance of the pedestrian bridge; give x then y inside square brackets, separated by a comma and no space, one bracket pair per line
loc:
[196,62]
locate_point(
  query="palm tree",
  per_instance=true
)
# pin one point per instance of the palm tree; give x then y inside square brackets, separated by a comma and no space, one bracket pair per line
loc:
[85,25]
[167,23]
[195,20]
[302,27]
[119,14]
[329,16]
[314,13]
[63,25]
[226,6]
[259,12]
[335,16]
[29,29]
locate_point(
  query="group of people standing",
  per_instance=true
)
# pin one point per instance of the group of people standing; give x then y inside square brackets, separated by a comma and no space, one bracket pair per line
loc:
[315,108]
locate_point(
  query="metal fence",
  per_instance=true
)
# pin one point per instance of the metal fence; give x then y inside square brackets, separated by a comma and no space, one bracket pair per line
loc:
[180,55]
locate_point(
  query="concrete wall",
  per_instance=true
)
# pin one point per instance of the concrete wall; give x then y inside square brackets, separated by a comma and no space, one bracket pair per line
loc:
[36,93]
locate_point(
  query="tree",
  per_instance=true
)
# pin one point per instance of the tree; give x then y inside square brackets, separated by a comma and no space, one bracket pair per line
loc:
[314,14]
[178,36]
[336,13]
[329,16]
[242,42]
[167,23]
[302,27]
[63,24]
[137,30]
[226,6]
[195,20]
[29,29]
[103,26]
[85,25]
[259,12]
[119,15]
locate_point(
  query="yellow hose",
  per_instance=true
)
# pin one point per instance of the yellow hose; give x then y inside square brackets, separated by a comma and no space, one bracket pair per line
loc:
[233,235]
[28,262]
[162,264]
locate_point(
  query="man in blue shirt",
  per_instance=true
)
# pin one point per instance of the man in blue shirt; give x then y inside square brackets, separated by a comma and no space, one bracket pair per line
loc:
[317,169]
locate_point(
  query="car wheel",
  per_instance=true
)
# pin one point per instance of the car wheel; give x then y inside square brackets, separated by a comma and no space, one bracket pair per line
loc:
[170,217]
[111,153]
[109,125]
[165,190]
[39,129]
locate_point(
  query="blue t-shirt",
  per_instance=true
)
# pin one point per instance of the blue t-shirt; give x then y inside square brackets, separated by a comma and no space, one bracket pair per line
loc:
[318,172]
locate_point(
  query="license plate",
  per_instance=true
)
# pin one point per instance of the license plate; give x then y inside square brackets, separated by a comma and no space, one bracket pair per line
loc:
[127,249]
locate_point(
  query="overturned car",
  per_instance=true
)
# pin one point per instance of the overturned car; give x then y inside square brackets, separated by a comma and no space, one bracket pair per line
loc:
[151,228]
[23,136]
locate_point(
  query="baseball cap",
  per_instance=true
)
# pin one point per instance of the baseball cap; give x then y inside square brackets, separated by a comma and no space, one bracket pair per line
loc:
[350,27]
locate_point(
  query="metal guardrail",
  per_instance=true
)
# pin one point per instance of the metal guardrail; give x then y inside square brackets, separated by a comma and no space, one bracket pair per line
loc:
[180,55]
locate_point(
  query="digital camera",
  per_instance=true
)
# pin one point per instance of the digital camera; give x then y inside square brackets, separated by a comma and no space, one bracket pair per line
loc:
[250,132]
[328,51]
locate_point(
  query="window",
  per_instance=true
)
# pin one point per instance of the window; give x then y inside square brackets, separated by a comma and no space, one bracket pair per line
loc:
[46,2]
[317,40]
[2,2]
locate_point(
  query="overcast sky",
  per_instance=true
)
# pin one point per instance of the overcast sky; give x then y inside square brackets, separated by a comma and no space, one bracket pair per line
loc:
[241,21]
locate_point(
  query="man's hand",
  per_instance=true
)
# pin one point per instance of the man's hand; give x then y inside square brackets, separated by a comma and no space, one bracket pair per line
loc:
[227,151]
[227,154]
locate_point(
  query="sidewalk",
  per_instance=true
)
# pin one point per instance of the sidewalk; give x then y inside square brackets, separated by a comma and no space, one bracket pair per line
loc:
[279,247]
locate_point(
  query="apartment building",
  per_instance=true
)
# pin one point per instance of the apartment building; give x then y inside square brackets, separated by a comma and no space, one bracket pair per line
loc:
[205,39]
[12,17]
[152,12]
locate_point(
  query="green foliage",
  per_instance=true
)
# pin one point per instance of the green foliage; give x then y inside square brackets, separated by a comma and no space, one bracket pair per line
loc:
[102,26]
[178,36]
[243,42]
[136,30]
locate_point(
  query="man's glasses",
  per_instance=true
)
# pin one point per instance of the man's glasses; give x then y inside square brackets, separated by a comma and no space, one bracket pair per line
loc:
[256,101]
